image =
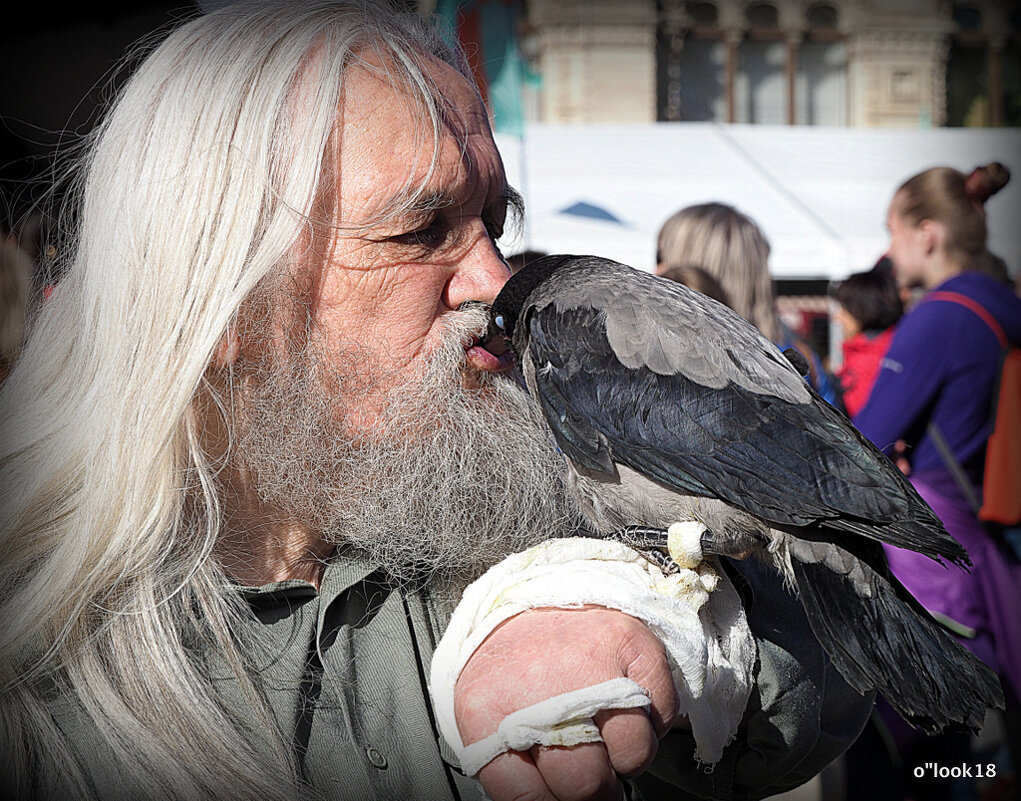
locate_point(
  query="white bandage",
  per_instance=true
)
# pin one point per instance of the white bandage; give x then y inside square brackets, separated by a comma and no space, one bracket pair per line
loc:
[684,542]
[696,613]
[563,720]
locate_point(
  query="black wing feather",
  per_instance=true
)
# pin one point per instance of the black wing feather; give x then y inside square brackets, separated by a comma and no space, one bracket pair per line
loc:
[884,642]
[791,464]
[579,441]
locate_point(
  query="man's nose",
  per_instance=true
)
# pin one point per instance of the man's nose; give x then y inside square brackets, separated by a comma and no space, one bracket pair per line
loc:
[480,275]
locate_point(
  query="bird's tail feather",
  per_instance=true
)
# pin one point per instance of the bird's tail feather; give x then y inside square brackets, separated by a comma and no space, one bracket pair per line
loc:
[878,641]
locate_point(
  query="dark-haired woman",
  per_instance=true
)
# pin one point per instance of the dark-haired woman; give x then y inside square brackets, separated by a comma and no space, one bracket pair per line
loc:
[869,307]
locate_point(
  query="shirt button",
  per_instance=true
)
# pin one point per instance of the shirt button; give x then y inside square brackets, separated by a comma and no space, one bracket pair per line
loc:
[376,758]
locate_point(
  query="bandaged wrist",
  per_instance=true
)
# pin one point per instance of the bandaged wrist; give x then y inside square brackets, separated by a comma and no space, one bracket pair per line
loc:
[695,612]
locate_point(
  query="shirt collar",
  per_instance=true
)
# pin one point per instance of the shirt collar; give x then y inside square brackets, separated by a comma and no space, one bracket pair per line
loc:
[344,568]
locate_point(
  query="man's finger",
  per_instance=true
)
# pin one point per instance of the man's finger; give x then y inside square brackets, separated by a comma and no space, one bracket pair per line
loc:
[644,660]
[629,739]
[579,773]
[513,776]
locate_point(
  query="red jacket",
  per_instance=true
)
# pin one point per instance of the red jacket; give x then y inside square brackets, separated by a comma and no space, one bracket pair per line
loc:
[863,354]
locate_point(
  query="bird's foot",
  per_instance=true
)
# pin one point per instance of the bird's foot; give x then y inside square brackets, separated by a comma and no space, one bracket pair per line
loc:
[669,549]
[661,558]
[651,543]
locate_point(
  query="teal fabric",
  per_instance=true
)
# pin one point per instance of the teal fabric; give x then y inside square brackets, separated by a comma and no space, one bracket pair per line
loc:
[492,42]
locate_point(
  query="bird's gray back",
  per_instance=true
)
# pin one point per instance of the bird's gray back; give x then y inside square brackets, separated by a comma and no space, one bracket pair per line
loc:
[657,324]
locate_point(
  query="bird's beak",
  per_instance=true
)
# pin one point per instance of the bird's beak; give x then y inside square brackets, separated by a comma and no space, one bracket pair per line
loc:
[491,351]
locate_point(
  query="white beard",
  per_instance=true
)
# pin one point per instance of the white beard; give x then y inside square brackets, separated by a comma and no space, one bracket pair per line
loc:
[458,472]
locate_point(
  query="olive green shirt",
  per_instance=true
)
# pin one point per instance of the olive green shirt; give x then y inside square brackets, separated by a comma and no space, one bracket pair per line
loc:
[345,669]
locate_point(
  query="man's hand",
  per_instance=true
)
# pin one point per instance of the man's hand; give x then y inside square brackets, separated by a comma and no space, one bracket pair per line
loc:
[545,652]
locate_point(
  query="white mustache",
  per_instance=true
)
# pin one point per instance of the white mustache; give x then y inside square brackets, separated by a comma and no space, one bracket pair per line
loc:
[470,321]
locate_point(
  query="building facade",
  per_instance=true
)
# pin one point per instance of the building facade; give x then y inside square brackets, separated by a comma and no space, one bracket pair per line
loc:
[870,63]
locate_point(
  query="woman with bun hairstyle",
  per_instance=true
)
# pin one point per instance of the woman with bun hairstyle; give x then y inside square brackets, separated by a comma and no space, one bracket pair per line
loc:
[937,382]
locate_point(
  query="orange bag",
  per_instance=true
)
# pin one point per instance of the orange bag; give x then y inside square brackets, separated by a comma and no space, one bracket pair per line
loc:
[1001,486]
[1001,483]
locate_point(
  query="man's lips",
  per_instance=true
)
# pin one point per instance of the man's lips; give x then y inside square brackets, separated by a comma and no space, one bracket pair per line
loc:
[491,355]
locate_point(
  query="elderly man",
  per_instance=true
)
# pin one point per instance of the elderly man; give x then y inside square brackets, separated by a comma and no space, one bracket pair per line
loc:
[257,443]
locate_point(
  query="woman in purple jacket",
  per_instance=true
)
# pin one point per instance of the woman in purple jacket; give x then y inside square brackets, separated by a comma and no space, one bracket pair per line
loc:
[940,372]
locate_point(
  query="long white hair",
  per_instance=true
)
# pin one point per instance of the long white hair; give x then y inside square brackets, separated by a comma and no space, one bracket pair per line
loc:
[199,184]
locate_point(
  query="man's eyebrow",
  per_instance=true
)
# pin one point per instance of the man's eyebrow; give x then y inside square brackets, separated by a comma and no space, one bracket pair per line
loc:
[416,203]
[412,202]
[408,201]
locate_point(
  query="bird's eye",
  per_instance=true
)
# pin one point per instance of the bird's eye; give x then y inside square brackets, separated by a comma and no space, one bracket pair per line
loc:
[499,322]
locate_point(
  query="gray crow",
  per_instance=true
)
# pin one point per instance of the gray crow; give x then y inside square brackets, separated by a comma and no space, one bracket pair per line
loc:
[670,407]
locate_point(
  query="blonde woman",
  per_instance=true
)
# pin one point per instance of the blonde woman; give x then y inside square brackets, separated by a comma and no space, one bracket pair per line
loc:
[732,248]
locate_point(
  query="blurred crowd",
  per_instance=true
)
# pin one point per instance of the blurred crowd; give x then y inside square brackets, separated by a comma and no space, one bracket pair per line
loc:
[923,333]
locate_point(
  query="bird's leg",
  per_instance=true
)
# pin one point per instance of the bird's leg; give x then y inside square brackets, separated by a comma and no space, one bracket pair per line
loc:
[651,543]
[681,545]
[641,537]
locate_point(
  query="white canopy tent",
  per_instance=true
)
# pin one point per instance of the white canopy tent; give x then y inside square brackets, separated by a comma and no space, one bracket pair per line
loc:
[819,194]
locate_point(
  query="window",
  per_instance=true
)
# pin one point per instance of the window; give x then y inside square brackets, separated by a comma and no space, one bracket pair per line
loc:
[761,85]
[821,83]
[763,15]
[703,15]
[821,17]
[967,17]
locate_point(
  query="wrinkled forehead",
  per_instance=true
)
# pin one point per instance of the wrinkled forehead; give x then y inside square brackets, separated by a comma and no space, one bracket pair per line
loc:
[389,142]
